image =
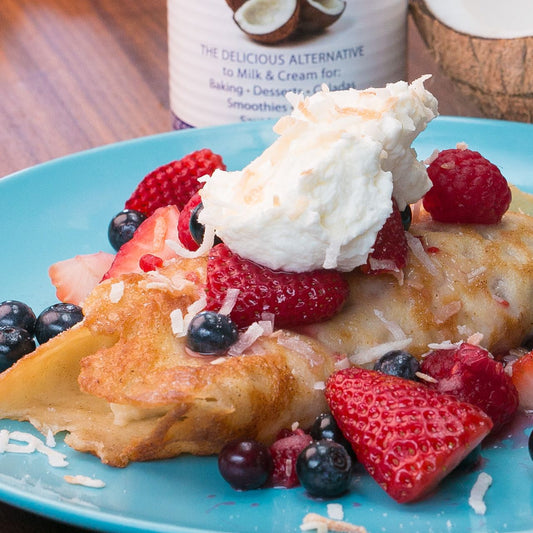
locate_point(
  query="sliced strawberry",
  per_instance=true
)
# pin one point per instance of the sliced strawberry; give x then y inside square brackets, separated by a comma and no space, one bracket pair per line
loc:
[390,249]
[285,451]
[406,435]
[149,238]
[472,375]
[293,298]
[76,277]
[183,225]
[522,376]
[174,183]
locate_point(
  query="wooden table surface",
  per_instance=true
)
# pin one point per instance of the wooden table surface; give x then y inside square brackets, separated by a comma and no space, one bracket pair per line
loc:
[76,75]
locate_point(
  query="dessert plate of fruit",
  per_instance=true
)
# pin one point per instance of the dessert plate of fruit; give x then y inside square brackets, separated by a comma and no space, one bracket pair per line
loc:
[327,468]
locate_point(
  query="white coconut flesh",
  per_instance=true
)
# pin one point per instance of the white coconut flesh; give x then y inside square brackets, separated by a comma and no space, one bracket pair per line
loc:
[490,19]
[264,16]
[331,7]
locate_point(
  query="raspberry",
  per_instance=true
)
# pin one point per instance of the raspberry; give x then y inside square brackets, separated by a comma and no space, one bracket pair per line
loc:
[467,188]
[390,249]
[293,298]
[285,451]
[174,183]
[184,231]
[471,374]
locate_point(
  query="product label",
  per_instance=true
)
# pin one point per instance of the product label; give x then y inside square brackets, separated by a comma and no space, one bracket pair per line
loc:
[229,66]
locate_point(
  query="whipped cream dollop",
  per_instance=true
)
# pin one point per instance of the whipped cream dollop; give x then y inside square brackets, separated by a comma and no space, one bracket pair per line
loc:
[318,196]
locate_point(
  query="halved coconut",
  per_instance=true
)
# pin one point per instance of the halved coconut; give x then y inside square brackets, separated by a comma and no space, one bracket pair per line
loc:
[268,21]
[315,15]
[486,48]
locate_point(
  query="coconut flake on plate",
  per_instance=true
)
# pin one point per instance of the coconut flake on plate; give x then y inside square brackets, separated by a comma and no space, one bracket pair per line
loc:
[335,511]
[477,494]
[28,443]
[321,524]
[84,481]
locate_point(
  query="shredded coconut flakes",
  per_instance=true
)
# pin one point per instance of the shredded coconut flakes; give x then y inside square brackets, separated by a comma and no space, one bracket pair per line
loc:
[321,524]
[207,244]
[85,481]
[370,355]
[477,494]
[28,443]
[230,299]
[395,329]
[246,339]
[417,248]
[116,291]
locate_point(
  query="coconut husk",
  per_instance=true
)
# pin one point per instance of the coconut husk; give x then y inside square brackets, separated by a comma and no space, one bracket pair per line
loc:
[495,73]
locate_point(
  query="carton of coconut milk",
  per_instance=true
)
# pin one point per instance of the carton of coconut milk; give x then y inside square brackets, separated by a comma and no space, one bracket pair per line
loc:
[234,60]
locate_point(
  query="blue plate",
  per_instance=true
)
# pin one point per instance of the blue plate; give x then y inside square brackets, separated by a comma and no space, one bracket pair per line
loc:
[62,208]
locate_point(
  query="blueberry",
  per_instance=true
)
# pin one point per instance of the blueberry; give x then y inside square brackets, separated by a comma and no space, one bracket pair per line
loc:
[123,226]
[56,319]
[14,343]
[325,428]
[17,314]
[398,363]
[245,464]
[196,228]
[407,217]
[324,469]
[211,333]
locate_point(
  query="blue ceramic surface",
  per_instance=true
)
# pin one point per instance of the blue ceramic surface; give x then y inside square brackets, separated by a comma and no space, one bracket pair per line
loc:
[62,208]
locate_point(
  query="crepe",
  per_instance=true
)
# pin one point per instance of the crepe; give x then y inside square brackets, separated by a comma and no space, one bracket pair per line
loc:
[460,281]
[126,389]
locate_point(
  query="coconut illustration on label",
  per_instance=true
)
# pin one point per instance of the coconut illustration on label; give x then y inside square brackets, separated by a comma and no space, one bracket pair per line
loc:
[270,22]
[235,60]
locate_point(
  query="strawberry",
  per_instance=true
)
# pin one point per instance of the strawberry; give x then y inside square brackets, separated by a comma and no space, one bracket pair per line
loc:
[522,377]
[174,183]
[285,451]
[293,298]
[389,253]
[76,277]
[149,238]
[184,231]
[407,436]
[471,374]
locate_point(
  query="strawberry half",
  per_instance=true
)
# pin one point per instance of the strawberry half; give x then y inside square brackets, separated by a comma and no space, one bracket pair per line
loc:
[389,252]
[149,238]
[174,183]
[293,298]
[407,436]
[472,375]
[522,376]
[284,452]
[76,277]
